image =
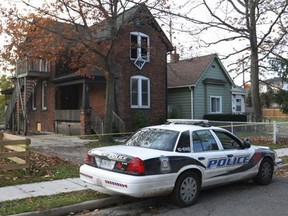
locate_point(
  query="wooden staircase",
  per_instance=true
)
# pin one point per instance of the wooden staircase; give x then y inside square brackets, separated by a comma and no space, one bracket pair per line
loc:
[18,101]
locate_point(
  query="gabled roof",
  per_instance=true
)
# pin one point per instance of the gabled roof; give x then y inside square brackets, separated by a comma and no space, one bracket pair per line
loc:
[188,72]
[102,29]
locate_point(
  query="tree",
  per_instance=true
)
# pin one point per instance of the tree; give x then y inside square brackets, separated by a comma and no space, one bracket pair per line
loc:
[259,26]
[280,65]
[281,98]
[5,83]
[84,30]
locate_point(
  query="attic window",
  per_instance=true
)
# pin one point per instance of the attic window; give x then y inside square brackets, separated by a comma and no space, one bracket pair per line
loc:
[139,48]
[213,66]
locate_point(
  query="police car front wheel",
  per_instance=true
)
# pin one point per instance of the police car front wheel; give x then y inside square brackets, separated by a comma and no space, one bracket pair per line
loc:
[186,189]
[265,172]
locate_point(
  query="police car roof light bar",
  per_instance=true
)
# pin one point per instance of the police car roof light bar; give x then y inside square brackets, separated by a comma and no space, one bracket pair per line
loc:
[201,122]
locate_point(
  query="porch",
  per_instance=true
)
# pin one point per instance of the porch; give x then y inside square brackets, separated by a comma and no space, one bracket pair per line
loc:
[69,122]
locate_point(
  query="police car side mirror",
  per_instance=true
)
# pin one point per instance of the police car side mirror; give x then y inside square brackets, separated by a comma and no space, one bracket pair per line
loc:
[246,143]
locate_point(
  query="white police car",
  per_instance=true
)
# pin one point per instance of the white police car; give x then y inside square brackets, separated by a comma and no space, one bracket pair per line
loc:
[177,159]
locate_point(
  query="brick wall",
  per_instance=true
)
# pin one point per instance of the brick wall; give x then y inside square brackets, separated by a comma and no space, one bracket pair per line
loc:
[155,70]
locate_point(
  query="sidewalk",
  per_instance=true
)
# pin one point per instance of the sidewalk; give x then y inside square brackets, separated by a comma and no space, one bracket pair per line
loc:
[46,188]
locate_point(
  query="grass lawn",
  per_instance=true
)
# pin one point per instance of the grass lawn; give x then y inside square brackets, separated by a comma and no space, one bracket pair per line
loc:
[43,168]
[48,202]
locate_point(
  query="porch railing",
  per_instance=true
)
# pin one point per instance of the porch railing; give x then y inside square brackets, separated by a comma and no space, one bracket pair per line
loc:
[25,66]
[97,124]
[67,115]
[118,123]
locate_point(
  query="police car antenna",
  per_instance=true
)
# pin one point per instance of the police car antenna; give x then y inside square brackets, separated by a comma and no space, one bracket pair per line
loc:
[200,122]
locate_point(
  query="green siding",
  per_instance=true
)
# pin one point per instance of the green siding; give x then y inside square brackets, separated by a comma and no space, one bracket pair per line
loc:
[181,100]
[181,97]
[203,92]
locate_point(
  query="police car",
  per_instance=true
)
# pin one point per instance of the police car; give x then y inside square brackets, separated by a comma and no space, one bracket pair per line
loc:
[178,158]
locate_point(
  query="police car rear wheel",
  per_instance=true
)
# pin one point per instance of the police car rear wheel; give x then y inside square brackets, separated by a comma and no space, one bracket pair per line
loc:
[265,172]
[186,189]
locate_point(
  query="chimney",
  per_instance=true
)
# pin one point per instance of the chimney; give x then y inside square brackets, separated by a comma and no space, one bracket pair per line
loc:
[174,56]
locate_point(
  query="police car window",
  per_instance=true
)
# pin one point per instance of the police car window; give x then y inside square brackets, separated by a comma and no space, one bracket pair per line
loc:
[184,142]
[203,140]
[227,140]
[154,138]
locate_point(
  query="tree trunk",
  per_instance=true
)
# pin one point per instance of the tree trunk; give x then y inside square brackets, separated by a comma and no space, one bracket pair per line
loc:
[256,104]
[108,126]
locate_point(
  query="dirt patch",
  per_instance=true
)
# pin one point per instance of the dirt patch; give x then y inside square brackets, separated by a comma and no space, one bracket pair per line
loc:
[74,154]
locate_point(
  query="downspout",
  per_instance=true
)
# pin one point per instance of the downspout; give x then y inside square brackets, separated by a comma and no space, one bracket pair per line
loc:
[192,102]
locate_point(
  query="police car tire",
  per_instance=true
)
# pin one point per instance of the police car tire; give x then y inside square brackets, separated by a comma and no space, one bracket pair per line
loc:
[265,172]
[186,189]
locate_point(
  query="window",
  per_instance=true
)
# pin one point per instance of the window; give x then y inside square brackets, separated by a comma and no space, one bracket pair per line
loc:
[43,65]
[33,96]
[227,140]
[215,104]
[184,143]
[203,140]
[154,138]
[44,95]
[140,92]
[139,48]
[238,105]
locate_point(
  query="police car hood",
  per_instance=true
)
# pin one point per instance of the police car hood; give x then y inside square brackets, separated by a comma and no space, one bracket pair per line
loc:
[118,151]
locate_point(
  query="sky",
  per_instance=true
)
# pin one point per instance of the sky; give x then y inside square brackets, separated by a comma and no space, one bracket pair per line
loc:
[181,40]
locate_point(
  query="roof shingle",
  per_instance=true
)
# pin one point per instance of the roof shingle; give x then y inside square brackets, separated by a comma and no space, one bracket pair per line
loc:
[187,72]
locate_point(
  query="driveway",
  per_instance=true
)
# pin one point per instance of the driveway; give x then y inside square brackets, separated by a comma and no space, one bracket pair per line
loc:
[70,148]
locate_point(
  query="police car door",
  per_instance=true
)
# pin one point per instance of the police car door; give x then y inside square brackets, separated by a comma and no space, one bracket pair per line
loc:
[236,157]
[206,150]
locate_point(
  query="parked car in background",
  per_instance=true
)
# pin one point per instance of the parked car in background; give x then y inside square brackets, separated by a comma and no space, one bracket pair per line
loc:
[178,158]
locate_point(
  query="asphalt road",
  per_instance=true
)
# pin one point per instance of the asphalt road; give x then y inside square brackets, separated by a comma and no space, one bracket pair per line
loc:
[238,199]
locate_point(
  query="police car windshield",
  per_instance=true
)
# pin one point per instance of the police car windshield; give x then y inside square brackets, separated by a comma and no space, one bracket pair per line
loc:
[154,138]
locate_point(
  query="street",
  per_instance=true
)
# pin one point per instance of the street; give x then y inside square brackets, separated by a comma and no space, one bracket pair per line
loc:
[244,198]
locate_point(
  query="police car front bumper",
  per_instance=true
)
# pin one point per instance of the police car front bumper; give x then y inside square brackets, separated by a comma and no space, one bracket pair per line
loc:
[278,163]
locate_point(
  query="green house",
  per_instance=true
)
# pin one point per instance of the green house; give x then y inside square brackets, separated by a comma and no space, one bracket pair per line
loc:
[198,86]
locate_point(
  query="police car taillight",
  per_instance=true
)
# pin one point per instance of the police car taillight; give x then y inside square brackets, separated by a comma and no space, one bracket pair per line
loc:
[90,159]
[135,166]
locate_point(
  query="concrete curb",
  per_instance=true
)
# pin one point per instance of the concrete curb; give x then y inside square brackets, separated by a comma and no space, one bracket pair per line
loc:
[89,205]
[75,208]
[282,166]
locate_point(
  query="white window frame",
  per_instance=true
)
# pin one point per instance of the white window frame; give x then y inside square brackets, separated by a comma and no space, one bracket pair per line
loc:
[44,95]
[140,92]
[220,104]
[139,54]
[43,65]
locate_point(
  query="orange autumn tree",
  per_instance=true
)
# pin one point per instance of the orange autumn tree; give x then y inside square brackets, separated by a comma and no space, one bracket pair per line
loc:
[84,31]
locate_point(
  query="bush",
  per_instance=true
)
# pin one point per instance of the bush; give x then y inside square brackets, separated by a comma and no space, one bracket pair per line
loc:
[226,117]
[140,120]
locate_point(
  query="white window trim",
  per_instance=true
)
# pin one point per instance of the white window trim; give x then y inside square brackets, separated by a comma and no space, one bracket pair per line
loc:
[139,36]
[42,95]
[217,97]
[139,79]
[43,65]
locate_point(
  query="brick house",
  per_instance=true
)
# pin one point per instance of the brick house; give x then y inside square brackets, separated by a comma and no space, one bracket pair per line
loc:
[50,97]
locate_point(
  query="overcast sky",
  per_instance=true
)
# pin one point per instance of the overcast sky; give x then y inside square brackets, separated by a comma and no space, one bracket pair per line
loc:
[181,40]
